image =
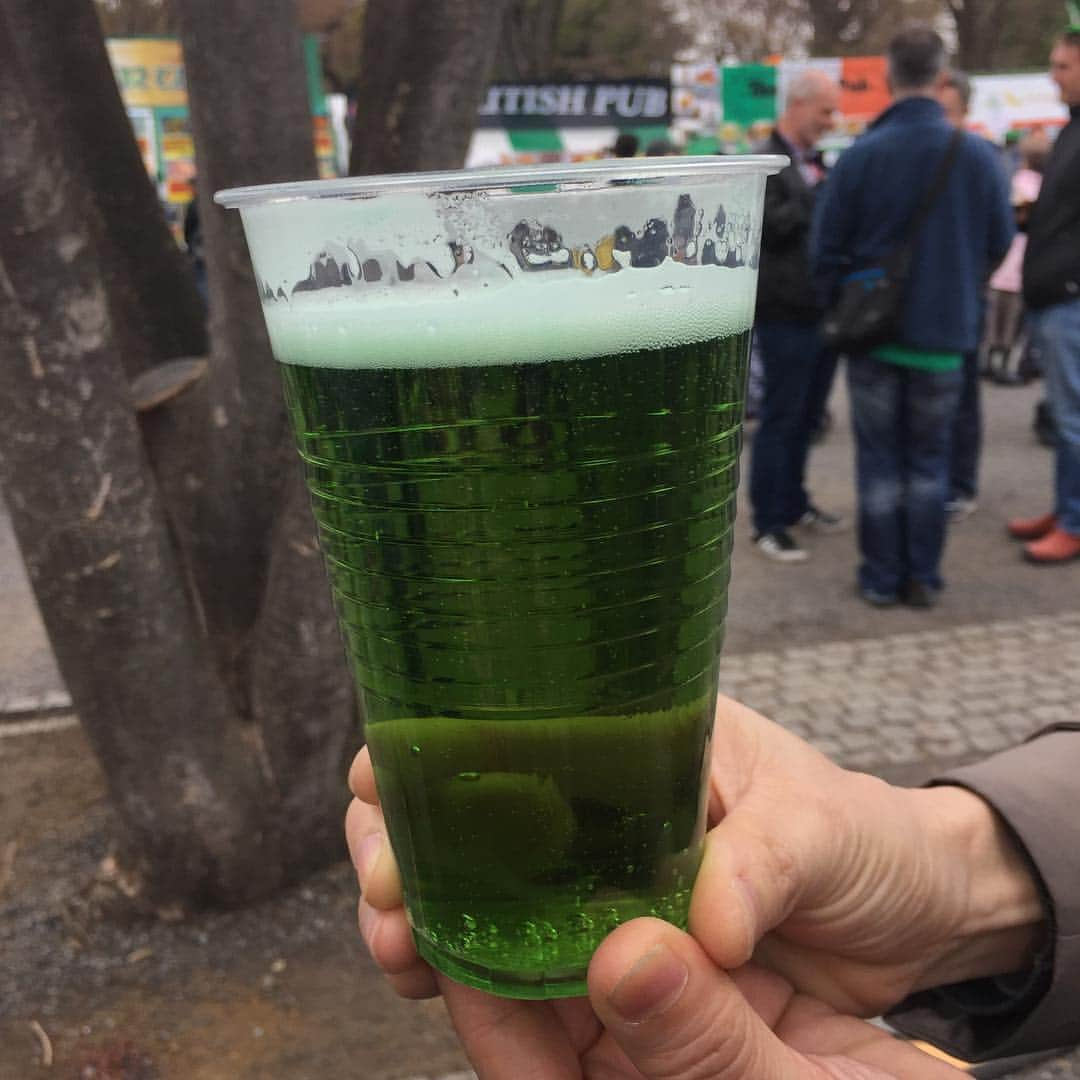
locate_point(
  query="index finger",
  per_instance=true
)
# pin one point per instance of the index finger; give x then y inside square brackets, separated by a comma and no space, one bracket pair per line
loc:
[362,778]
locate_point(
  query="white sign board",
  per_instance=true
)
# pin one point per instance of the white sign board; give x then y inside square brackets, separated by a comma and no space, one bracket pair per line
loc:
[1001,103]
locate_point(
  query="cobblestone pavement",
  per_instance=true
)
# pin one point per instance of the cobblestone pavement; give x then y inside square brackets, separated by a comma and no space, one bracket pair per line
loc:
[910,704]
[918,700]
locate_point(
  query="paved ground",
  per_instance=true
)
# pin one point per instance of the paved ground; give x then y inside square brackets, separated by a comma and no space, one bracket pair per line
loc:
[898,692]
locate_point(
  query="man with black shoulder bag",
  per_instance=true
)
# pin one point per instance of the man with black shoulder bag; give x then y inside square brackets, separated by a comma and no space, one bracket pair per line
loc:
[912,220]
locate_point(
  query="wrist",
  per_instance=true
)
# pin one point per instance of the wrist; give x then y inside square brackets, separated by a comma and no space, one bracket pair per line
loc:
[998,919]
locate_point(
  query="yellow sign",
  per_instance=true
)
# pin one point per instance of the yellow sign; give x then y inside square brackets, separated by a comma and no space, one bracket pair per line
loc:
[150,71]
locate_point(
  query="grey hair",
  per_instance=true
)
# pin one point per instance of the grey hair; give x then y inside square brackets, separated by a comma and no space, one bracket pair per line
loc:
[804,84]
[916,58]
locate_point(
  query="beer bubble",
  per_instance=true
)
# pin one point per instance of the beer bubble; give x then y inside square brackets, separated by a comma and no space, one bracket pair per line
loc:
[530,934]
[582,924]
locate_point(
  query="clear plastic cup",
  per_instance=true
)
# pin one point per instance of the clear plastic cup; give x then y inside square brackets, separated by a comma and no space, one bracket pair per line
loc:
[518,394]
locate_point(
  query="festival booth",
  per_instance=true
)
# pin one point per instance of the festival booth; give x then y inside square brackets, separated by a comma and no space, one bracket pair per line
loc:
[150,73]
[530,122]
[1010,103]
[702,109]
[721,109]
[752,96]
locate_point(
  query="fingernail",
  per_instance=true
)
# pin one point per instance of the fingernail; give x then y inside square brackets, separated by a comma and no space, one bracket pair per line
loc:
[652,985]
[368,855]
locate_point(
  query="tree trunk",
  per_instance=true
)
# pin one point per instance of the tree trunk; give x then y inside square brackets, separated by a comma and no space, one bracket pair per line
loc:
[841,31]
[92,529]
[965,18]
[146,274]
[191,618]
[252,125]
[981,27]
[530,33]
[423,70]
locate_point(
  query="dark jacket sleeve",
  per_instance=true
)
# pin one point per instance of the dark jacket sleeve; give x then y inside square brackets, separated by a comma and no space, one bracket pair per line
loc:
[1002,223]
[1035,788]
[832,230]
[786,217]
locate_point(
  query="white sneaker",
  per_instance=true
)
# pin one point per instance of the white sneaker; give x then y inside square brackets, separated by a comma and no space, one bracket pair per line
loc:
[780,547]
[960,508]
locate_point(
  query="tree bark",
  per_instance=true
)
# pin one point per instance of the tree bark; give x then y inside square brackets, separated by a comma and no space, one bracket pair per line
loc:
[265,598]
[979,31]
[252,125]
[147,276]
[530,33]
[423,70]
[213,686]
[92,529]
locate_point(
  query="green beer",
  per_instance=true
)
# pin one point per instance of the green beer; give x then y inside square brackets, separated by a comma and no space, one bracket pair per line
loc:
[530,563]
[526,510]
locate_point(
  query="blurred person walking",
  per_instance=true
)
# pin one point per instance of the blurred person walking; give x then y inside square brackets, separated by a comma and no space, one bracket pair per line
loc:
[1052,295]
[1004,345]
[904,394]
[797,368]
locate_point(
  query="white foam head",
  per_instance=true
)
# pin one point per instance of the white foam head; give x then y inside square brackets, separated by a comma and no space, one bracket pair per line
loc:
[507,273]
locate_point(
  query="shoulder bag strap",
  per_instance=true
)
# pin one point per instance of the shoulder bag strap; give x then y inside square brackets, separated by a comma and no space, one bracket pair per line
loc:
[930,196]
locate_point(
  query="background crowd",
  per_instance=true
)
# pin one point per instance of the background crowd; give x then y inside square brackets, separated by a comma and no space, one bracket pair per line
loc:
[992,265]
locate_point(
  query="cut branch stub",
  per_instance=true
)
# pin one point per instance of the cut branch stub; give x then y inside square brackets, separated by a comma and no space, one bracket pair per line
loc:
[163,382]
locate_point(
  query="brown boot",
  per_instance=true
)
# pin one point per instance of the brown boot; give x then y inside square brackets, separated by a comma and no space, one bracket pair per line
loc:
[1032,528]
[1057,546]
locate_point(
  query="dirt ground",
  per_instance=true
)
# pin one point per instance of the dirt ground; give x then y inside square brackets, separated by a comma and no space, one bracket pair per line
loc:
[283,990]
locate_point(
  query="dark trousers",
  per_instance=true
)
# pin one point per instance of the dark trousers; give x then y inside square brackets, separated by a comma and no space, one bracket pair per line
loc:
[903,419]
[797,374]
[967,434]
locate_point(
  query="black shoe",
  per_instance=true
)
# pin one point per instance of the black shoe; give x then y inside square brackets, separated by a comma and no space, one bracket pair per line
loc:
[877,599]
[917,595]
[816,520]
[1008,378]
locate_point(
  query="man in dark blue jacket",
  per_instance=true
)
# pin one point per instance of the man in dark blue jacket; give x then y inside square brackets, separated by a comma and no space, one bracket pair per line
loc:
[904,394]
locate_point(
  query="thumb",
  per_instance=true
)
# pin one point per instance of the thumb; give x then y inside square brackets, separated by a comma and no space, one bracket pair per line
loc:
[678,1017]
[757,864]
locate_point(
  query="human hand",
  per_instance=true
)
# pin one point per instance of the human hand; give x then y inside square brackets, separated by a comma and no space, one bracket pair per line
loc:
[658,1008]
[863,893]
[855,891]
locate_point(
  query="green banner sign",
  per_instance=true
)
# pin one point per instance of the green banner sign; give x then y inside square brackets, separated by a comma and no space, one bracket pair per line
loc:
[749,93]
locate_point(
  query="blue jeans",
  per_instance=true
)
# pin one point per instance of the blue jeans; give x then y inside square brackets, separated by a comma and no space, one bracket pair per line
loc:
[903,419]
[967,434]
[1056,330]
[798,372]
